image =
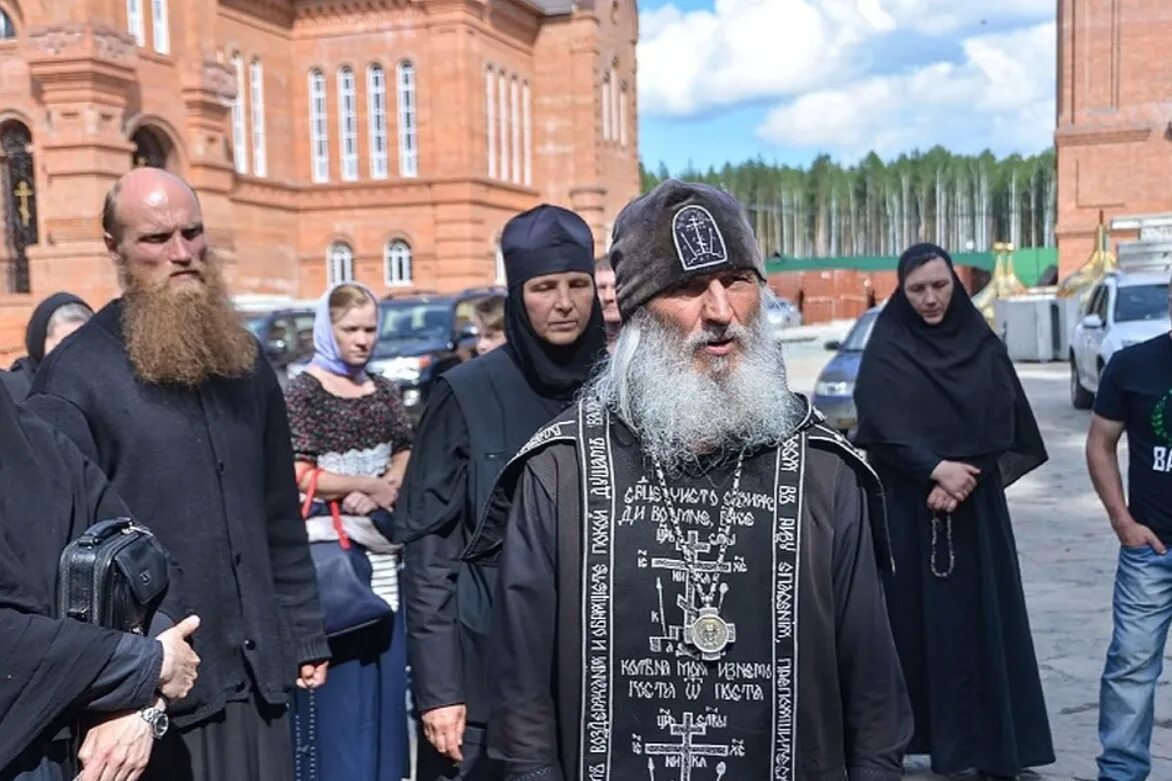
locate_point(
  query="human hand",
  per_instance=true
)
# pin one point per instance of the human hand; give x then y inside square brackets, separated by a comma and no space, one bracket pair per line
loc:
[180,661]
[383,493]
[1133,534]
[444,729]
[940,501]
[958,479]
[312,675]
[358,503]
[117,749]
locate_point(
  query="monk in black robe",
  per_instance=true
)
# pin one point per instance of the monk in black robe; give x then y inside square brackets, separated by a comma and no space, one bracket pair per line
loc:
[948,428]
[689,586]
[169,395]
[478,416]
[58,670]
[55,318]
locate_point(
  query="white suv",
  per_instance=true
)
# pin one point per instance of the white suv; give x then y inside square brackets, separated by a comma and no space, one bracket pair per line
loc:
[1124,309]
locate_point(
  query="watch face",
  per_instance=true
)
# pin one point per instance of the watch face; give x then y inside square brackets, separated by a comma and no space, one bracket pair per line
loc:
[160,724]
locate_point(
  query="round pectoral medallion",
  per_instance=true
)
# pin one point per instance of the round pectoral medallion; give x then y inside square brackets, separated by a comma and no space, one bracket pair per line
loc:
[710,633]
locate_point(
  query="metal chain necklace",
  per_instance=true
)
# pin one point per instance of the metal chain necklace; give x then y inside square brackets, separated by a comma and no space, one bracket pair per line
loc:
[704,628]
[951,550]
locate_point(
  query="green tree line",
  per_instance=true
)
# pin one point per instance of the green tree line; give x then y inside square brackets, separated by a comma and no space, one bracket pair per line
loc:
[879,208]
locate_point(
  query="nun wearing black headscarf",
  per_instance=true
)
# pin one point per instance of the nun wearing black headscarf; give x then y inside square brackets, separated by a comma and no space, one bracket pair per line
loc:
[948,428]
[55,318]
[478,416]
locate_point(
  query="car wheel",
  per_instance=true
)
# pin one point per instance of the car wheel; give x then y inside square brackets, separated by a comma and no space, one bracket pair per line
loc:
[1080,397]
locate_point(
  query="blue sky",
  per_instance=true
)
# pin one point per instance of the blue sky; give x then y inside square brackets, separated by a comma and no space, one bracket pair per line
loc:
[789,79]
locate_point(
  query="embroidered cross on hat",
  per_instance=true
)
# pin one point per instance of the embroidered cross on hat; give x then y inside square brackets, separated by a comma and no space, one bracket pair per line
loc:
[678,231]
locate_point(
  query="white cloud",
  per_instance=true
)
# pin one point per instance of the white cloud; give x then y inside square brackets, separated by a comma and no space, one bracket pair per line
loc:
[1001,97]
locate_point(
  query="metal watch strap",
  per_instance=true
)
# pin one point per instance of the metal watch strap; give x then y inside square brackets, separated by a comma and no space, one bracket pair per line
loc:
[157,719]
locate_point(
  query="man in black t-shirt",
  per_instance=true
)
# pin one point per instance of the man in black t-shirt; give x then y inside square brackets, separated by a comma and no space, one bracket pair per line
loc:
[1135,395]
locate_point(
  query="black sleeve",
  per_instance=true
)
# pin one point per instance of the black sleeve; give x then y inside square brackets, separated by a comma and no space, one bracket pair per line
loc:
[434,525]
[523,724]
[917,463]
[66,417]
[294,580]
[1110,399]
[876,709]
[130,678]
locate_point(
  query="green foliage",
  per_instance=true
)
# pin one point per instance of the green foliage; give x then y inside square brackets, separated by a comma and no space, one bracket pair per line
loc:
[877,207]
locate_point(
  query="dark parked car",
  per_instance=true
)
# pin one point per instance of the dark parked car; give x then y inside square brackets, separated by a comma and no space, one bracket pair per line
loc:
[286,335]
[421,337]
[834,393]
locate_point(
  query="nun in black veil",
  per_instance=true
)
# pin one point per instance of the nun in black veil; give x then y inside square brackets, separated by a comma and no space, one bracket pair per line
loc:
[52,669]
[948,428]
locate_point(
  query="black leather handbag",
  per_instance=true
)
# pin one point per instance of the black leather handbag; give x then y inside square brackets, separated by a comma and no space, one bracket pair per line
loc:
[114,575]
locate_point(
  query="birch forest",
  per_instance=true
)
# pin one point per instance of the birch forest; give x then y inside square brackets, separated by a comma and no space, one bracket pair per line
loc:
[960,202]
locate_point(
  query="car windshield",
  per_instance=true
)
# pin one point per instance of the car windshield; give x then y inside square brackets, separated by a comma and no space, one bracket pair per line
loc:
[415,320]
[856,340]
[1141,302]
[256,325]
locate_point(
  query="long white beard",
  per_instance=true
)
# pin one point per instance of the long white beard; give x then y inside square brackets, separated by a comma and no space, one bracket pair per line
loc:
[684,415]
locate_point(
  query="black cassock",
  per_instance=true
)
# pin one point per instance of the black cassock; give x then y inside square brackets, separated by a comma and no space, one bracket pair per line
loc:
[593,675]
[52,670]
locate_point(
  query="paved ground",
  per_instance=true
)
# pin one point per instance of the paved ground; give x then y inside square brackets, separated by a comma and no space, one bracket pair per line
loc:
[1067,555]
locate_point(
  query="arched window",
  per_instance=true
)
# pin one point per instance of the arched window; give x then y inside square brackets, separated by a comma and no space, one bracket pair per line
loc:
[503,105]
[490,118]
[256,98]
[376,109]
[614,109]
[397,259]
[7,28]
[151,150]
[606,88]
[319,133]
[408,133]
[21,199]
[348,123]
[135,21]
[339,263]
[515,119]
[161,26]
[623,115]
[527,134]
[239,131]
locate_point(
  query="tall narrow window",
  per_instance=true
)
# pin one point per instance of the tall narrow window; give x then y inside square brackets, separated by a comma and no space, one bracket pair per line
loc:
[614,109]
[623,115]
[606,107]
[503,105]
[527,141]
[162,27]
[319,134]
[256,98]
[348,124]
[135,23]
[408,133]
[239,132]
[7,28]
[376,108]
[490,119]
[515,120]
[397,258]
[339,263]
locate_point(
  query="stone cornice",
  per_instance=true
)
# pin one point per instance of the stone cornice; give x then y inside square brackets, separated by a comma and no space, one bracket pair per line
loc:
[68,60]
[1076,135]
[379,194]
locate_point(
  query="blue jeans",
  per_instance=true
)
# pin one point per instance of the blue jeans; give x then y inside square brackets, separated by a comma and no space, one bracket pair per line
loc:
[1142,612]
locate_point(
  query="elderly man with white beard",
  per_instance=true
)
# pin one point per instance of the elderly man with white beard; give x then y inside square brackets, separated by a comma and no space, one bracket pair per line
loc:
[689,580]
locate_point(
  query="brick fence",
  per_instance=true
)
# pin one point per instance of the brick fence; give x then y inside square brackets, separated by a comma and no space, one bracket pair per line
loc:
[840,294]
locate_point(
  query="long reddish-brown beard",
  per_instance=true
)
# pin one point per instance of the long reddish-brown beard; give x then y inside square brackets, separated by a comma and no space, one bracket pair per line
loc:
[185,336]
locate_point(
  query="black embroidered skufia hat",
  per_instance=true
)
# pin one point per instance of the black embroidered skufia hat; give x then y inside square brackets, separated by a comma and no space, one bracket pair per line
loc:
[678,231]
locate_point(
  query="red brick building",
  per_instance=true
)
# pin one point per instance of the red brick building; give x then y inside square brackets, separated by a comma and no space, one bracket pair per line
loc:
[383,140]
[1114,125]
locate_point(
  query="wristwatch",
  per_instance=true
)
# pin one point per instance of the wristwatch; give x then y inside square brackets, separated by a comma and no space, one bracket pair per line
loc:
[158,721]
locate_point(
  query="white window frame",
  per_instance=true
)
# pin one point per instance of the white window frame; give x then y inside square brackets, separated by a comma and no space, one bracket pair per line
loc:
[606,87]
[319,127]
[614,109]
[239,124]
[527,133]
[515,120]
[503,105]
[376,110]
[405,79]
[348,123]
[397,263]
[339,263]
[160,22]
[256,99]
[136,21]
[7,26]
[490,118]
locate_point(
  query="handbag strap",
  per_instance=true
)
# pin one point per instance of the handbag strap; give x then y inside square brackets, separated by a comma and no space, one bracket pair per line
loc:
[310,492]
[335,509]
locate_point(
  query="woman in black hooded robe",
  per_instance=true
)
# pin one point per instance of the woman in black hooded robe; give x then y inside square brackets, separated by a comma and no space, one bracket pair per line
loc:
[947,426]
[53,669]
[41,327]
